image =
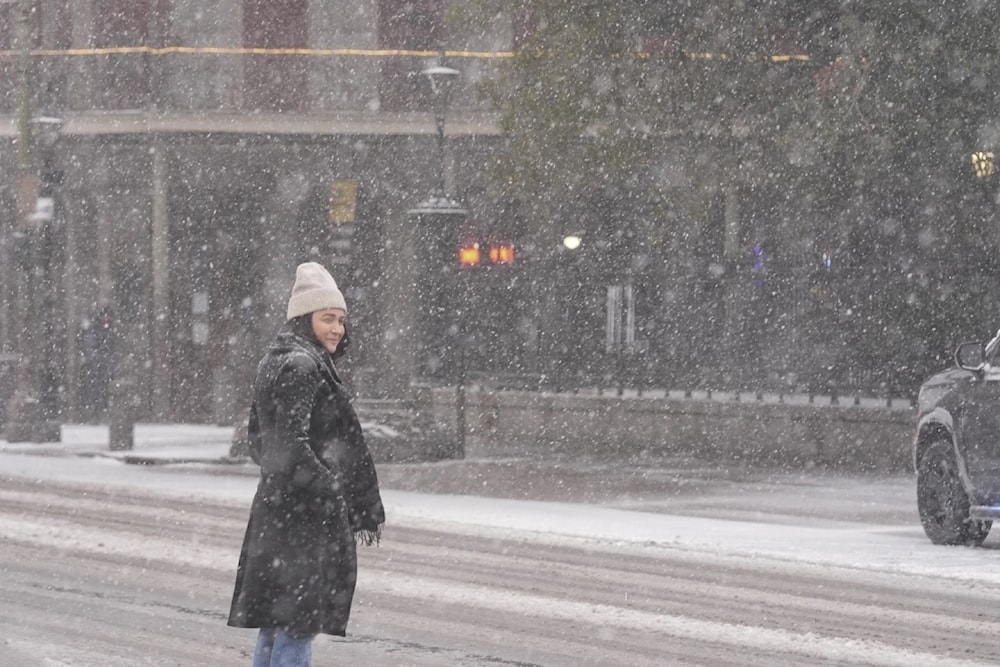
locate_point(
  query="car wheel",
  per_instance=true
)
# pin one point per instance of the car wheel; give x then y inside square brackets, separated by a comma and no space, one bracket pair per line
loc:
[943,503]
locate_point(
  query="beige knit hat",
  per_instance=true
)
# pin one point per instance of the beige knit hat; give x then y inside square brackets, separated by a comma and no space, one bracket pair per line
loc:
[314,289]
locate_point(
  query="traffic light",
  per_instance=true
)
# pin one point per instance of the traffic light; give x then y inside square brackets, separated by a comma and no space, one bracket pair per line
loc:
[757,265]
[758,257]
[470,255]
[502,253]
[826,260]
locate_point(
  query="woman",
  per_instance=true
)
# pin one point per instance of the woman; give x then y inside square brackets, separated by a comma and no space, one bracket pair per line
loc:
[318,492]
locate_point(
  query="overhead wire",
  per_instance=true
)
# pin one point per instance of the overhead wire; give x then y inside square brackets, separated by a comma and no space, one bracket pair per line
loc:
[418,53]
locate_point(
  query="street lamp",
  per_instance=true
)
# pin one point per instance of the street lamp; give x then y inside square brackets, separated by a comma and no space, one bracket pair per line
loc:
[442,81]
[983,163]
[572,241]
[48,131]
[435,226]
[33,409]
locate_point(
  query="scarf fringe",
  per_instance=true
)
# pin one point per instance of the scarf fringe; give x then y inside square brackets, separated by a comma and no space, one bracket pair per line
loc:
[369,537]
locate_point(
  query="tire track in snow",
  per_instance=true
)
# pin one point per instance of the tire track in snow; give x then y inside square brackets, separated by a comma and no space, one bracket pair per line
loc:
[89,530]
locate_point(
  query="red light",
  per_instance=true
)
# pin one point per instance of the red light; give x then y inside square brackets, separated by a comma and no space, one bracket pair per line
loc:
[502,254]
[468,255]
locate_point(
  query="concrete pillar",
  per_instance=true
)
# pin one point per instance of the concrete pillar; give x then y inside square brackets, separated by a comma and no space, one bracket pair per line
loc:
[105,231]
[397,363]
[71,300]
[734,295]
[281,231]
[127,213]
[160,249]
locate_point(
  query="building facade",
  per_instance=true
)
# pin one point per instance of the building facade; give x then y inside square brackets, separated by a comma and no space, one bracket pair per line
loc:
[204,151]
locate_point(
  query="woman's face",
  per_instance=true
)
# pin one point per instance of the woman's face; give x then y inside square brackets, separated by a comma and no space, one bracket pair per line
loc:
[328,327]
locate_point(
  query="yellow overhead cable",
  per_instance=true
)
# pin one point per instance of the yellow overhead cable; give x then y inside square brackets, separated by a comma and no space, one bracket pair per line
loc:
[240,51]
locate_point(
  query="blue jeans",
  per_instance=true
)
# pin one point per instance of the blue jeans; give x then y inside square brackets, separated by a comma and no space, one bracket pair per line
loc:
[277,648]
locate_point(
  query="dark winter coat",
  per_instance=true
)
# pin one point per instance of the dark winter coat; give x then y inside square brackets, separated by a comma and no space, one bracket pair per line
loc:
[317,491]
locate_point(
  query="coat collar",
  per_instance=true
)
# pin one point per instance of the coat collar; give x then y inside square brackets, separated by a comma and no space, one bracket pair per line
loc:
[288,340]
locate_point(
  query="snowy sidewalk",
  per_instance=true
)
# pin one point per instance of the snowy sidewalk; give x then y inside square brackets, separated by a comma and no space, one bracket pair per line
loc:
[680,486]
[848,522]
[896,548]
[153,444]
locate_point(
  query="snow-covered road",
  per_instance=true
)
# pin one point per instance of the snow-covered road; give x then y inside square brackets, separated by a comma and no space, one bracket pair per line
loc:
[114,565]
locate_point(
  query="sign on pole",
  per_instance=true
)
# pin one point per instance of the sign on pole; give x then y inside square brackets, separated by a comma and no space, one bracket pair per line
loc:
[343,201]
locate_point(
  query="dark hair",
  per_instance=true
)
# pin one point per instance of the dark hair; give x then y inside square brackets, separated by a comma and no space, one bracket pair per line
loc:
[302,326]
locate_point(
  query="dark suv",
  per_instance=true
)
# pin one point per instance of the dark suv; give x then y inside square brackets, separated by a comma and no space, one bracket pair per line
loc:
[956,447]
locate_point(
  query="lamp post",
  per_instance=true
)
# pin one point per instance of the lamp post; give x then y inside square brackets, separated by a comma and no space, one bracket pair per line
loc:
[442,81]
[32,410]
[30,415]
[48,131]
[434,227]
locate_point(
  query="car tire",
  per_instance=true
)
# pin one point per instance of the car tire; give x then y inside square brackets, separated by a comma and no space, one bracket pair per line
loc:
[942,501]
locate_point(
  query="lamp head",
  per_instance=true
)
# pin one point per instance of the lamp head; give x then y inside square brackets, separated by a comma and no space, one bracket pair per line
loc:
[47,128]
[442,80]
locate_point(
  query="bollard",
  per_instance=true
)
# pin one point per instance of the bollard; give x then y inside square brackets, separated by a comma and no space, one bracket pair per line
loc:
[239,446]
[122,411]
[8,372]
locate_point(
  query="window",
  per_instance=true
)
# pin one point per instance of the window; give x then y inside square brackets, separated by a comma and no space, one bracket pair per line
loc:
[8,66]
[275,82]
[524,22]
[411,25]
[123,77]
